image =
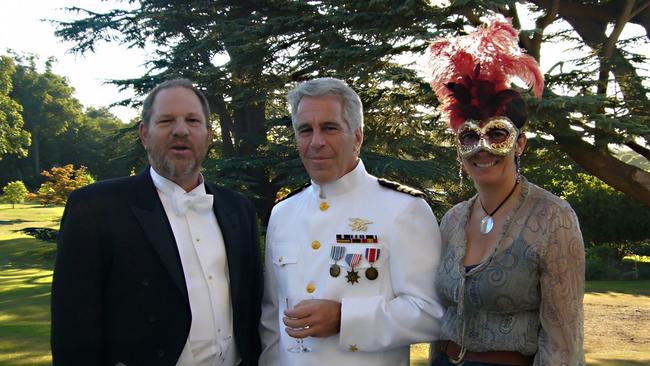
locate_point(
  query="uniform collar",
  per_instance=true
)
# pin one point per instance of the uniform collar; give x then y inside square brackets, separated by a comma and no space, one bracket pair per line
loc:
[171,189]
[343,185]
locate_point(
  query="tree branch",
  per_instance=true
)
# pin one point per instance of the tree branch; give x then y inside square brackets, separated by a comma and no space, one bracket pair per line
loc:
[609,46]
[603,12]
[641,150]
[597,161]
[471,17]
[541,24]
[641,8]
[621,21]
[592,33]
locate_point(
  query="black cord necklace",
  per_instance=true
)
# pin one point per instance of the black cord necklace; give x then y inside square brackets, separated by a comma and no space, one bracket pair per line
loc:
[487,223]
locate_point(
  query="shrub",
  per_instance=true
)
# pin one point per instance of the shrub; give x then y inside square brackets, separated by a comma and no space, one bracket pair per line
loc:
[601,269]
[42,233]
[15,192]
[60,182]
[603,263]
[644,270]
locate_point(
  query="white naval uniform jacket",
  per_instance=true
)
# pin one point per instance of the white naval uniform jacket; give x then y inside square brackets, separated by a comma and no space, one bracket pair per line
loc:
[379,318]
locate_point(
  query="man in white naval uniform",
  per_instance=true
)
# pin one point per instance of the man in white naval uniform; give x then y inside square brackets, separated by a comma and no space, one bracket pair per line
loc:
[361,251]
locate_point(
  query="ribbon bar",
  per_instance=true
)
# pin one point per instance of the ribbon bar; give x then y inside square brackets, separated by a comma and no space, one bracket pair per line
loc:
[365,239]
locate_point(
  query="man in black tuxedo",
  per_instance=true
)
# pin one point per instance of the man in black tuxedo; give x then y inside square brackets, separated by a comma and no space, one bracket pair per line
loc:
[160,268]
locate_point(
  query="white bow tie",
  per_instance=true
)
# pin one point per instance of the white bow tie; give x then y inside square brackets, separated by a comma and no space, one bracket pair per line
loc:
[197,203]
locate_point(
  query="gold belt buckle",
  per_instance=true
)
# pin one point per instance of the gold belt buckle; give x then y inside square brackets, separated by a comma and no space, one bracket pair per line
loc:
[458,360]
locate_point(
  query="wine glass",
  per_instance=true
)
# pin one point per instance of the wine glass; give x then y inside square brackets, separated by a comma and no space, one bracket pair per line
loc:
[292,301]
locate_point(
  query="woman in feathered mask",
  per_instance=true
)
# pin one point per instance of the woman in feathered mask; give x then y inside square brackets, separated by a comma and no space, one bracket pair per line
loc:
[512,272]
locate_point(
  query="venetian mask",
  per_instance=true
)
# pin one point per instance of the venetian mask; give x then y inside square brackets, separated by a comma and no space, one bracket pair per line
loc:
[497,136]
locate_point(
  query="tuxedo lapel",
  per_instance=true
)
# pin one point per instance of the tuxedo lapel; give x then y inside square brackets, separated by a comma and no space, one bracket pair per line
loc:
[230,229]
[151,215]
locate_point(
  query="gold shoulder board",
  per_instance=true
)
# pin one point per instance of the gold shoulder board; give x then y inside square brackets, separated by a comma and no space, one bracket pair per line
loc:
[294,192]
[401,188]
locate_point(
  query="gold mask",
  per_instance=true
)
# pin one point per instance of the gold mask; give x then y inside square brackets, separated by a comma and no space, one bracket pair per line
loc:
[497,137]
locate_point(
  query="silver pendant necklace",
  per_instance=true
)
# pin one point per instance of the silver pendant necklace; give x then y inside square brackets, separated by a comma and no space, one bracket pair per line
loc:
[487,223]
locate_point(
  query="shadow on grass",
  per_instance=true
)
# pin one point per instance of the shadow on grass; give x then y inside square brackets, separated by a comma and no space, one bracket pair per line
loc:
[618,363]
[24,253]
[24,298]
[21,350]
[25,316]
[638,288]
[23,294]
[12,222]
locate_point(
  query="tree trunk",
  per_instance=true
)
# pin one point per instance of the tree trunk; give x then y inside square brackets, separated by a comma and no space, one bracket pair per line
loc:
[639,149]
[590,22]
[250,131]
[36,152]
[218,105]
[626,178]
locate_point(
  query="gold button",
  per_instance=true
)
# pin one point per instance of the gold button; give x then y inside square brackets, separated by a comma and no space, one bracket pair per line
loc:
[315,244]
[311,288]
[324,206]
[353,348]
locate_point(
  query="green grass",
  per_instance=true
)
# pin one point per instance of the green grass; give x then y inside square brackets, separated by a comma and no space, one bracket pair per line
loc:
[640,288]
[26,275]
[25,278]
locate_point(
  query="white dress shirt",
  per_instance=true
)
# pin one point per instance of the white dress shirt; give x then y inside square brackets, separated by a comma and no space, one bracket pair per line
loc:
[205,266]
[380,317]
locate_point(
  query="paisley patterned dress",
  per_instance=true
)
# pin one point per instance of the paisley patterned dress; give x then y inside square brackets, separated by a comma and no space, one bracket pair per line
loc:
[527,296]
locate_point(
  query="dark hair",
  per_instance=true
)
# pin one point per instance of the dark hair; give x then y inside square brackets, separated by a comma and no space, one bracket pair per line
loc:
[517,111]
[479,101]
[175,83]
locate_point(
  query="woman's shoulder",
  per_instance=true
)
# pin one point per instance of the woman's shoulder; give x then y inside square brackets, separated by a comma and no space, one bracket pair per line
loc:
[543,198]
[552,210]
[456,213]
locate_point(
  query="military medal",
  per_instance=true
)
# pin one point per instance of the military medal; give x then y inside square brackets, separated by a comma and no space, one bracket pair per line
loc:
[372,254]
[352,260]
[336,254]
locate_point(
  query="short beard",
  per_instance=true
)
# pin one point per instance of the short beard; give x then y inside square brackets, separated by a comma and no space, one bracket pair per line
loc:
[167,169]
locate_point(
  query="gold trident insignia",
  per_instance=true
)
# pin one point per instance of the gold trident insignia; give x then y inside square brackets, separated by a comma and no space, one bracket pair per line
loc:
[357,224]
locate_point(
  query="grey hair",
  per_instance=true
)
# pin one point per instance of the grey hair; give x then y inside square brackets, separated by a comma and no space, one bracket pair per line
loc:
[175,83]
[352,106]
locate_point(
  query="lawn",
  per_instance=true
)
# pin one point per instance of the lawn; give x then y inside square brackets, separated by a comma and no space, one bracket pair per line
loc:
[25,277]
[617,313]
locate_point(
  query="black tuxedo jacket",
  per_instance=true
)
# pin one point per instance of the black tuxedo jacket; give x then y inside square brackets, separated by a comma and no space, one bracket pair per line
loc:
[118,292]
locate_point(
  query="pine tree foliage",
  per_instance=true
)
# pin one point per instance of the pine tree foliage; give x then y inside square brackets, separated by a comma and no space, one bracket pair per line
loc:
[246,55]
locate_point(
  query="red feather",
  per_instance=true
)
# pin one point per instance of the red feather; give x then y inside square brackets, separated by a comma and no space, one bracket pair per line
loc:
[481,64]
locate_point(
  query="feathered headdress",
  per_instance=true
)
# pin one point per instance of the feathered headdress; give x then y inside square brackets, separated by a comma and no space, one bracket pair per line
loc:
[471,74]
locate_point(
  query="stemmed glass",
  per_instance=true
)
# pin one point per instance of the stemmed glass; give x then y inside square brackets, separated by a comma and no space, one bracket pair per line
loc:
[292,301]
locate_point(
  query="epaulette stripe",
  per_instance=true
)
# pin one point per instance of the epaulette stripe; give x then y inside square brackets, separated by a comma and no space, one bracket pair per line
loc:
[401,188]
[294,192]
